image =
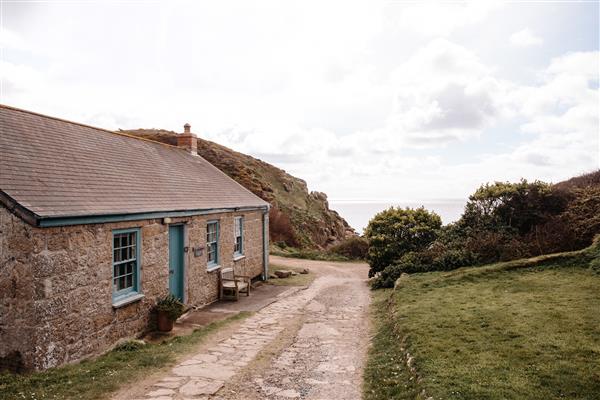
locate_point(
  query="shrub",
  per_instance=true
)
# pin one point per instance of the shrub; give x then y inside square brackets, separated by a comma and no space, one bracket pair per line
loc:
[453,259]
[354,248]
[396,231]
[490,246]
[519,206]
[583,216]
[280,227]
[411,262]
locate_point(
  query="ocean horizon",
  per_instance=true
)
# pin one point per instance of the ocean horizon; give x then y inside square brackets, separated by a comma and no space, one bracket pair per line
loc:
[358,213]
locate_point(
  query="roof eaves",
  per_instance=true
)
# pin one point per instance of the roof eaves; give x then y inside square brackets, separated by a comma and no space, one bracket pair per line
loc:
[13,206]
[46,222]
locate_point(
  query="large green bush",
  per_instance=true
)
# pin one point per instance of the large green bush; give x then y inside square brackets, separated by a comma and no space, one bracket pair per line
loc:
[396,231]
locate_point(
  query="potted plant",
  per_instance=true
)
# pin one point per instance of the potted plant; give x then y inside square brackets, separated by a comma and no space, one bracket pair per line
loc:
[169,308]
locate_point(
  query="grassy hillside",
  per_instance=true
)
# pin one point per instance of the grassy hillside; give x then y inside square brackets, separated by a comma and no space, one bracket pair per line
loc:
[524,329]
[298,217]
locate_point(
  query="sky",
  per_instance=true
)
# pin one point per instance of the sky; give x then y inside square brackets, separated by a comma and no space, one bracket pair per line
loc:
[365,100]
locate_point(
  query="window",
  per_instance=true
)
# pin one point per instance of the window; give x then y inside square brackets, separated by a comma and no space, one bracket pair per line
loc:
[238,236]
[212,243]
[126,263]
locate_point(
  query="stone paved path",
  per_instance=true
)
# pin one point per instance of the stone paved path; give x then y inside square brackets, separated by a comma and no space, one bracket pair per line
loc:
[324,360]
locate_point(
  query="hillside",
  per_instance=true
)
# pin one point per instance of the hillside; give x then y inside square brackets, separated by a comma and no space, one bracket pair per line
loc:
[298,217]
[590,179]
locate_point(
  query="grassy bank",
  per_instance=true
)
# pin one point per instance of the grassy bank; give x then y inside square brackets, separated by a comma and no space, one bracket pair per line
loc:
[96,378]
[293,252]
[527,329]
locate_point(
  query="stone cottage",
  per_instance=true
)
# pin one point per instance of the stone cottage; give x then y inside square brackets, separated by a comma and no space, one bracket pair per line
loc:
[96,225]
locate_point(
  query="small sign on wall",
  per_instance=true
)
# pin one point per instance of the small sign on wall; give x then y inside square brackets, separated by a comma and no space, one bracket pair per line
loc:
[197,251]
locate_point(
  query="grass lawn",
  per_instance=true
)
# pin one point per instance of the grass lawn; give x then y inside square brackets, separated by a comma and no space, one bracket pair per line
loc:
[96,378]
[506,331]
[298,280]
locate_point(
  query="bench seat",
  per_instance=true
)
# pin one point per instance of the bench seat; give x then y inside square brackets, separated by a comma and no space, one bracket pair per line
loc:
[230,282]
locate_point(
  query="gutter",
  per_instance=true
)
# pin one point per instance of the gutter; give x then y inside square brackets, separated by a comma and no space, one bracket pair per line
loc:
[100,219]
[265,232]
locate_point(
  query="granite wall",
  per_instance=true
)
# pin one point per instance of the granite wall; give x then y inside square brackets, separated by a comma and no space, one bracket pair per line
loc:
[55,283]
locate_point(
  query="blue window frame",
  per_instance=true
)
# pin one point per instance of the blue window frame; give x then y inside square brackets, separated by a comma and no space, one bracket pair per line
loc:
[212,243]
[238,236]
[126,263]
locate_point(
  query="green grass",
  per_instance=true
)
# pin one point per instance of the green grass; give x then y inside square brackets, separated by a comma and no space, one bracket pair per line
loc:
[527,329]
[96,378]
[386,375]
[298,280]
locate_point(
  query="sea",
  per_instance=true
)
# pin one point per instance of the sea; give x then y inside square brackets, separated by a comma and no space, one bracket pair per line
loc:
[359,213]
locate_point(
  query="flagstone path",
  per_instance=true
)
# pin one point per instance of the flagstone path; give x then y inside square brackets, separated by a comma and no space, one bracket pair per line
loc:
[323,361]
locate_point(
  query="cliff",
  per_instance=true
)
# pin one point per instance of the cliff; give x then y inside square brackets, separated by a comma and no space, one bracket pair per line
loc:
[298,217]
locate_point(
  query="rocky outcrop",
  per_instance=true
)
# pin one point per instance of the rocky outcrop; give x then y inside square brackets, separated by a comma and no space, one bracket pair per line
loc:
[298,217]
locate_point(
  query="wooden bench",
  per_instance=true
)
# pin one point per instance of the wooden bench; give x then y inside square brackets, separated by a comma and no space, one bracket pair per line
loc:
[230,282]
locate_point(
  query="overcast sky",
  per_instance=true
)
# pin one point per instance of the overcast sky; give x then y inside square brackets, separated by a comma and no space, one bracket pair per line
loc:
[389,101]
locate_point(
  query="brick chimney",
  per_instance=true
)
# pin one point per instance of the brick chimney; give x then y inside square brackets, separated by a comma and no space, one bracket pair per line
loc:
[187,140]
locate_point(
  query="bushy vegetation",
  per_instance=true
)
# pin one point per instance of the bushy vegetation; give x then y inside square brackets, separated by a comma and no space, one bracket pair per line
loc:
[502,221]
[280,228]
[397,231]
[353,248]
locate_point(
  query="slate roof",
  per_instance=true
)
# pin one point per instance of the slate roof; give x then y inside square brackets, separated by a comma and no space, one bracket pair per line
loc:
[55,168]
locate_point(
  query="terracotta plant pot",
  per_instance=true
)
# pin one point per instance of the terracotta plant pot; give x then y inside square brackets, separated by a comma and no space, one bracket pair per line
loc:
[165,324]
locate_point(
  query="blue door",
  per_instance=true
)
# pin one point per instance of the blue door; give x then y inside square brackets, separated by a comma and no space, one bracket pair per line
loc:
[176,261]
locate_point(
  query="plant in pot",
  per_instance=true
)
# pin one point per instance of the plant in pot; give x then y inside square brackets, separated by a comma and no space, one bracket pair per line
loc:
[169,308]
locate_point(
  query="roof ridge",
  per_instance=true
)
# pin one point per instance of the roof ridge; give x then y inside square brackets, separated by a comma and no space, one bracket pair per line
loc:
[87,126]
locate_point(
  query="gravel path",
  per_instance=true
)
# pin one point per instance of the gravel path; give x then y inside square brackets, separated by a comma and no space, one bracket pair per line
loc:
[309,345]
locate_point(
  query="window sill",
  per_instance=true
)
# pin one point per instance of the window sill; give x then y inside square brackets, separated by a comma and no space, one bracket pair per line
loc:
[123,301]
[239,257]
[212,268]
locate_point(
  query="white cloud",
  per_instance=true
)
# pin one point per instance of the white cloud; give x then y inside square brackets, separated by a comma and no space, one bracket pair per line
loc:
[431,18]
[11,40]
[525,38]
[444,94]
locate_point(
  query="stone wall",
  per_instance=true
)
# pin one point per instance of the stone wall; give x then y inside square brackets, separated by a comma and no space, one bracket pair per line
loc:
[55,283]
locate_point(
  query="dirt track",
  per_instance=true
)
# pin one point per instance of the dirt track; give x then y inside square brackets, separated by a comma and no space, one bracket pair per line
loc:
[321,353]
[310,344]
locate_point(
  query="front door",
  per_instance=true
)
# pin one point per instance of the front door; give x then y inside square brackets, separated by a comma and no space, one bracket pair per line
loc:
[176,261]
